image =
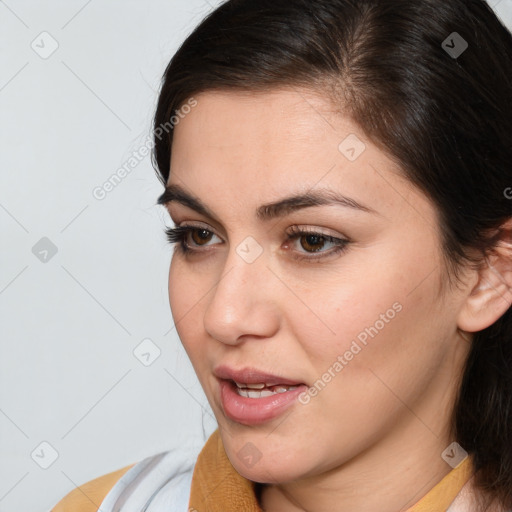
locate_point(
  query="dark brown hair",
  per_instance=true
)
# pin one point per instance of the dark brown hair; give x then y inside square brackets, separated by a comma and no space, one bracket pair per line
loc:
[445,119]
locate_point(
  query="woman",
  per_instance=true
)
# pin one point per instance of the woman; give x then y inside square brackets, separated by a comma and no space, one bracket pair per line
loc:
[340,183]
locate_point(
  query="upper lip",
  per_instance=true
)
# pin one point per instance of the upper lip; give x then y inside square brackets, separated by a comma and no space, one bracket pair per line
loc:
[252,376]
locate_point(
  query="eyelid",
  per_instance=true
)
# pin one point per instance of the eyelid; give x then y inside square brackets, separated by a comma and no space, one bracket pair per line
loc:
[297,228]
[185,223]
[178,235]
[293,229]
[219,229]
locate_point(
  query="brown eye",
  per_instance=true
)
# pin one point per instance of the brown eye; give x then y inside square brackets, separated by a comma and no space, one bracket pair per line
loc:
[191,238]
[312,242]
[188,238]
[308,242]
[199,235]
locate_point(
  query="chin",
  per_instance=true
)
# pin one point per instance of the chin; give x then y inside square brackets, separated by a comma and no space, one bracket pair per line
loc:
[260,460]
[267,472]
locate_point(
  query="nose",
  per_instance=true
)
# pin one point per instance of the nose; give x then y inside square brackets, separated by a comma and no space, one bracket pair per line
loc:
[244,302]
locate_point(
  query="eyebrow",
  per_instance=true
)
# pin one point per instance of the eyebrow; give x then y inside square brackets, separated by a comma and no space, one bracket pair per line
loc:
[269,211]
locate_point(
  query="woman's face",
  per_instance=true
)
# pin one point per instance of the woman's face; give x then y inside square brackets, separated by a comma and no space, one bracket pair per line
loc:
[364,326]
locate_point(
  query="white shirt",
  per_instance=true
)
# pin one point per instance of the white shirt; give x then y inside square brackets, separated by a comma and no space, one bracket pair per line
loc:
[158,483]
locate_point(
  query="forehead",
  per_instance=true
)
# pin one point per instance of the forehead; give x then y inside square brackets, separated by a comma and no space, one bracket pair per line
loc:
[266,119]
[245,145]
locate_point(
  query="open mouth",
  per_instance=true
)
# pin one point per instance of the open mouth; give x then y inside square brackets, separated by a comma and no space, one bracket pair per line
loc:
[256,403]
[261,390]
[251,396]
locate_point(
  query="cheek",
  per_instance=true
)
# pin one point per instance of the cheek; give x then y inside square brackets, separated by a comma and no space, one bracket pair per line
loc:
[370,321]
[386,341]
[342,315]
[185,299]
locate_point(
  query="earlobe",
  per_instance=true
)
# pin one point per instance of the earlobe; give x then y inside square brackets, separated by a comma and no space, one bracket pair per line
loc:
[491,296]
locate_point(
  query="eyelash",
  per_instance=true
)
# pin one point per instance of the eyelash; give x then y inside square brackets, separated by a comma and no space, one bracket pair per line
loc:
[178,235]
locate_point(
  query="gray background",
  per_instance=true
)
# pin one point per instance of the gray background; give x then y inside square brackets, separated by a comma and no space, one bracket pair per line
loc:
[72,320]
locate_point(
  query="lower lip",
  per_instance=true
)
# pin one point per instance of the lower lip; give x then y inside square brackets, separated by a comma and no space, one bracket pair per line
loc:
[253,411]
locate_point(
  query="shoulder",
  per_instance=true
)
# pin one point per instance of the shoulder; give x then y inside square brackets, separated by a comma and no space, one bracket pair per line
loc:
[164,479]
[88,497]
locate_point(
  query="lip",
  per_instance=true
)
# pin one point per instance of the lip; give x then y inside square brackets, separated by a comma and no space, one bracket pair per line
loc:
[254,411]
[249,375]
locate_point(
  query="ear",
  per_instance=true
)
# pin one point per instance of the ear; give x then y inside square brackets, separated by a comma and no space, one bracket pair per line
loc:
[491,296]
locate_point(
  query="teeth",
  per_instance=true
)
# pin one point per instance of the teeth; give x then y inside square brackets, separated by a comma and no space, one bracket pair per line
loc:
[250,386]
[283,389]
[248,393]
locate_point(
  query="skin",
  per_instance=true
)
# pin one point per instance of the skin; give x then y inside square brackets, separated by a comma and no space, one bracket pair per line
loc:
[372,438]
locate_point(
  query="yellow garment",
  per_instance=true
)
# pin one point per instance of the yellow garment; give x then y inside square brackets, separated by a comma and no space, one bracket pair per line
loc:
[88,497]
[217,487]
